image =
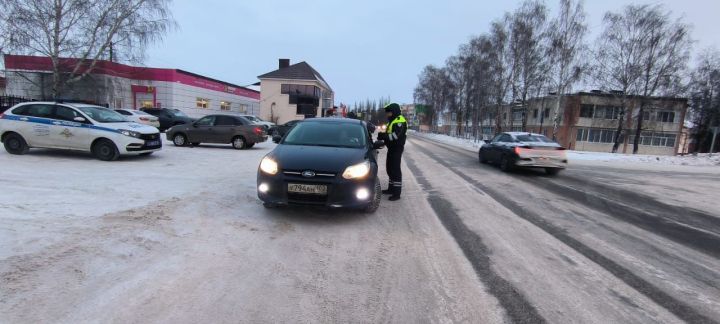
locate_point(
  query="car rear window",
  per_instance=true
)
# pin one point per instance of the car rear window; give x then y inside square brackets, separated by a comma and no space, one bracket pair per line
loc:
[327,134]
[534,138]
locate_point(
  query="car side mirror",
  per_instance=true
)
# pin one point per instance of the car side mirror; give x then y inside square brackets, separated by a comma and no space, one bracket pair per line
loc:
[276,138]
[80,119]
[378,145]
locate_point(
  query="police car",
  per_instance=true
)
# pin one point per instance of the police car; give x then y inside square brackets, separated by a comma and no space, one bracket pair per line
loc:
[81,127]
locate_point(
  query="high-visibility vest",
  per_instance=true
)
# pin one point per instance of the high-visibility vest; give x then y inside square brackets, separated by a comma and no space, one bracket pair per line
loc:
[397,120]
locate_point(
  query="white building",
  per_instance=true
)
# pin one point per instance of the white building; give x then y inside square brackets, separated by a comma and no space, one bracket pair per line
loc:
[122,86]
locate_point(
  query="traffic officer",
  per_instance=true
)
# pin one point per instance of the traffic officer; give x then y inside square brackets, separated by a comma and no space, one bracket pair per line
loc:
[394,137]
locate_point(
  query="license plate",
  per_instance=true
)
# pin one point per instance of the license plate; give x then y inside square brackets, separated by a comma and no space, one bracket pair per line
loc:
[152,143]
[307,189]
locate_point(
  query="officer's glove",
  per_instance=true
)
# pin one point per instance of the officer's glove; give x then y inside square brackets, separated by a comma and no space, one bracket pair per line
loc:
[383,137]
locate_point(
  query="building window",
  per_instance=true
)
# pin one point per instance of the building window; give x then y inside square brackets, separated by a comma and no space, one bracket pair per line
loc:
[607,112]
[146,103]
[118,104]
[666,117]
[586,111]
[535,113]
[595,135]
[547,113]
[656,139]
[242,108]
[646,116]
[224,105]
[202,103]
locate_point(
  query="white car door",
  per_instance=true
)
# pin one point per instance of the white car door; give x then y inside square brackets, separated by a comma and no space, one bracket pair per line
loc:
[35,125]
[67,132]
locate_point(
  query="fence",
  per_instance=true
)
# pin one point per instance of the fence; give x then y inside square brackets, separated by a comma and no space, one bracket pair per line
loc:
[8,101]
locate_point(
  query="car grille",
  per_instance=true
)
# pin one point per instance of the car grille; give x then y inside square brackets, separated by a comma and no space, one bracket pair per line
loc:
[149,137]
[306,199]
[318,174]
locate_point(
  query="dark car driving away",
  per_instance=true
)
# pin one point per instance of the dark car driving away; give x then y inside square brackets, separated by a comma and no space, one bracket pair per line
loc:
[515,149]
[282,130]
[168,117]
[322,162]
[219,129]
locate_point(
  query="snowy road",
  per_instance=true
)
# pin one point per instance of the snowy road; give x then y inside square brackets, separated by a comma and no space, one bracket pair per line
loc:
[179,237]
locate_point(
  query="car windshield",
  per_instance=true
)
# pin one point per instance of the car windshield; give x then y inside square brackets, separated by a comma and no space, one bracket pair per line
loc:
[327,134]
[534,138]
[177,113]
[103,115]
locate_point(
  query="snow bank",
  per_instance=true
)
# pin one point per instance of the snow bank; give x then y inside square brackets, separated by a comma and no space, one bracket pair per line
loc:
[688,160]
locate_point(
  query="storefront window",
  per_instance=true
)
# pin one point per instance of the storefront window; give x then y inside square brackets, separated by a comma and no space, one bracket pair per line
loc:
[224,105]
[202,103]
[146,103]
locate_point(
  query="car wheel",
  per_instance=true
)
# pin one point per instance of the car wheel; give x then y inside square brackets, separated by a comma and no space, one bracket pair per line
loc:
[377,197]
[552,171]
[179,140]
[105,150]
[238,142]
[482,158]
[269,205]
[15,144]
[506,163]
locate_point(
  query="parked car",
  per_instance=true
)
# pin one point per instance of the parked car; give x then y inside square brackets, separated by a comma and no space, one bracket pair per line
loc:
[169,117]
[221,129]
[257,120]
[283,129]
[527,150]
[81,127]
[308,167]
[140,117]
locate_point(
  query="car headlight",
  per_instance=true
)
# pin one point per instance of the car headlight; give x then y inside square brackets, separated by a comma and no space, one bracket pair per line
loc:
[269,166]
[357,171]
[129,133]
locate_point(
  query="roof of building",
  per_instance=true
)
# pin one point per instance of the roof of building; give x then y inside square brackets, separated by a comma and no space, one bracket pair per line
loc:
[298,71]
[44,64]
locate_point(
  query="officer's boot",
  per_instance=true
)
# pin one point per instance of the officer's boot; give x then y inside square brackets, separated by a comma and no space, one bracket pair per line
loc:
[396,191]
[389,190]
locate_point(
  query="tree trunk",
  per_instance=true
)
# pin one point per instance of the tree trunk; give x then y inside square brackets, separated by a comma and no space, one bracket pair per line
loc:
[618,134]
[638,131]
[556,113]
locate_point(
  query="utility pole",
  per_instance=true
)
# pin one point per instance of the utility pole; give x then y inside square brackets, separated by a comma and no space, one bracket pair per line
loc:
[111,51]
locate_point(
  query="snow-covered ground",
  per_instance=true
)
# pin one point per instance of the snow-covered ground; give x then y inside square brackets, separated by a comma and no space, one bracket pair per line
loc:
[701,160]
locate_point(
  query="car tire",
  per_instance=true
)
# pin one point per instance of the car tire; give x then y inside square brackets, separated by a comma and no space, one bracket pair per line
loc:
[180,140]
[552,171]
[377,197]
[482,158]
[506,164]
[269,205]
[238,142]
[105,150]
[15,144]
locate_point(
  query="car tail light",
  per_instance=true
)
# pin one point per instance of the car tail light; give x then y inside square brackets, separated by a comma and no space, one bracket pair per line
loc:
[258,130]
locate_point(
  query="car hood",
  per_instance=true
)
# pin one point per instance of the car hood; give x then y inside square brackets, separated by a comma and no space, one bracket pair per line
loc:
[316,158]
[133,126]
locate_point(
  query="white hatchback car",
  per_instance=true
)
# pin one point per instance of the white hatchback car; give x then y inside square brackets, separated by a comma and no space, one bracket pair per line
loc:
[101,131]
[140,117]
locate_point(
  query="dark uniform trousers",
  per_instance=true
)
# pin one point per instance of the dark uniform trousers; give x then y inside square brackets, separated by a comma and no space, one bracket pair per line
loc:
[392,165]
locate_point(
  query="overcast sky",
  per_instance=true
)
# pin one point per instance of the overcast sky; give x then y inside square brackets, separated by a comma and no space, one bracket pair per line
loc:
[364,49]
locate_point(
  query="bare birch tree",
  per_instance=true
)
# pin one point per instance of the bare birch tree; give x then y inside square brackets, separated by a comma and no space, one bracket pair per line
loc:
[85,31]
[566,51]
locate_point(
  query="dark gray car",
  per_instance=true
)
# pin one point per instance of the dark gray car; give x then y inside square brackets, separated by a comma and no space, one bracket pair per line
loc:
[219,129]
